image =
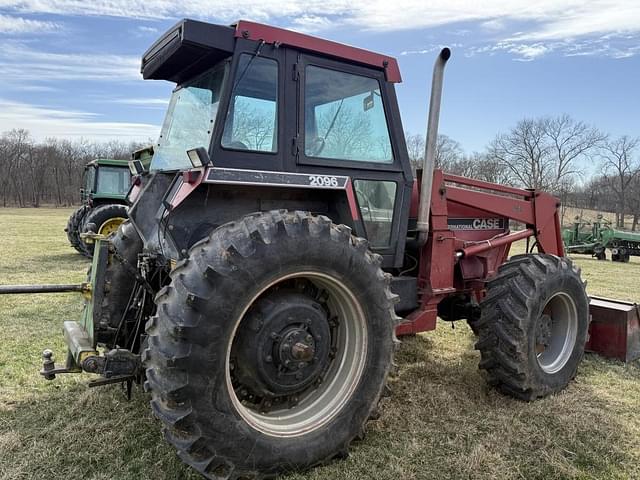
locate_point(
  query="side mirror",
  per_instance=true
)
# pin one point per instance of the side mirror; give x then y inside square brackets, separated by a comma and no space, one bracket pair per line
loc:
[199,157]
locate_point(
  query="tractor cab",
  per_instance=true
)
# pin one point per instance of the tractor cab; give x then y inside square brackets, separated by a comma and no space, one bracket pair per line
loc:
[276,109]
[105,184]
[105,181]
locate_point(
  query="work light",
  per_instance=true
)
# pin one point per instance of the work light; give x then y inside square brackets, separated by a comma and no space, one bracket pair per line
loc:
[136,167]
[198,157]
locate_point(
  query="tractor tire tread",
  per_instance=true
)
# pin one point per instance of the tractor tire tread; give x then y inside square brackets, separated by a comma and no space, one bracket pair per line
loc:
[73,228]
[176,363]
[504,327]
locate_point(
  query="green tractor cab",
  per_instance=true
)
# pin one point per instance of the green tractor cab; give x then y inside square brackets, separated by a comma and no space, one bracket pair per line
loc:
[105,185]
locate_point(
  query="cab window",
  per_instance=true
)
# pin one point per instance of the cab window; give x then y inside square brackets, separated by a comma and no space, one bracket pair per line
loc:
[344,117]
[113,181]
[376,199]
[251,122]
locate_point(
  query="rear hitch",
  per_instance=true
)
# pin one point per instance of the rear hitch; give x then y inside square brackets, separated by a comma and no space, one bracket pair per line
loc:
[49,369]
[115,366]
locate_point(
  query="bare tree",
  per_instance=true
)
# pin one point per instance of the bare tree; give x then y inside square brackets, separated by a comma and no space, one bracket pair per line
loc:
[634,201]
[620,168]
[524,153]
[545,153]
[49,172]
[6,169]
[415,148]
[570,142]
[448,151]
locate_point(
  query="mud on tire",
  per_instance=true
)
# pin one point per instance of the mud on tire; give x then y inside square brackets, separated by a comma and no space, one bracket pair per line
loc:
[533,326]
[201,317]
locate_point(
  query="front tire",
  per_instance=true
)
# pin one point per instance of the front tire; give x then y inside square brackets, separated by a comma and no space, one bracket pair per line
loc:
[533,326]
[271,346]
[107,219]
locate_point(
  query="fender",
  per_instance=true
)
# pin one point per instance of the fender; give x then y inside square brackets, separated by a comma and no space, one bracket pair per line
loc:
[192,179]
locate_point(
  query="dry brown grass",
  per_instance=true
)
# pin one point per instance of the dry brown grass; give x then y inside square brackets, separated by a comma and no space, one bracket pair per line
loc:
[441,421]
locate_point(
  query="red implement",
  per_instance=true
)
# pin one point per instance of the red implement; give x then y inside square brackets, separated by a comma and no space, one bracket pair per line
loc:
[615,329]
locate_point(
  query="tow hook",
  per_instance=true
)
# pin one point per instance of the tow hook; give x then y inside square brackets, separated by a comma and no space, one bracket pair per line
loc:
[49,370]
[115,366]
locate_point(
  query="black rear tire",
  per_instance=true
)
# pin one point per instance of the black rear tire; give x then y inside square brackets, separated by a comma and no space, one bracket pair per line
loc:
[192,365]
[73,228]
[533,326]
[100,217]
[119,280]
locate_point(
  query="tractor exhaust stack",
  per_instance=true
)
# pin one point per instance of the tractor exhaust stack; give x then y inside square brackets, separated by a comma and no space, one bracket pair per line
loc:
[430,145]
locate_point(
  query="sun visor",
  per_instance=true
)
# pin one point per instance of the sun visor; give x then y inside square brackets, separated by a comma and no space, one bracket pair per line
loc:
[186,50]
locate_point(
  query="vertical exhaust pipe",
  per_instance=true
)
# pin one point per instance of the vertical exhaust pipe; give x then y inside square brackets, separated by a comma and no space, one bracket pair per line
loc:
[429,164]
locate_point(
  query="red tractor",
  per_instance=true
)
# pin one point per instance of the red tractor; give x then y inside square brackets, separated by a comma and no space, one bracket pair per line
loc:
[279,241]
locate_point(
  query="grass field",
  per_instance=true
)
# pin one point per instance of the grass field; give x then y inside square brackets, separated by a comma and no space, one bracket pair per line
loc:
[441,421]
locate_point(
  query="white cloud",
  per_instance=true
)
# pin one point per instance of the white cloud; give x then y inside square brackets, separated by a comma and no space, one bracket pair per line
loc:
[542,26]
[145,29]
[143,102]
[18,25]
[312,23]
[529,52]
[45,122]
[21,64]
[592,17]
[554,19]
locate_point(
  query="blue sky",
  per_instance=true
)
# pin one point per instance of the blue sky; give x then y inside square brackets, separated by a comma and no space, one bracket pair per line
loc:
[69,68]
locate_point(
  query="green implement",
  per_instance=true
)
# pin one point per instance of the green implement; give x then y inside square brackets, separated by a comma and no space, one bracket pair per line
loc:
[596,237]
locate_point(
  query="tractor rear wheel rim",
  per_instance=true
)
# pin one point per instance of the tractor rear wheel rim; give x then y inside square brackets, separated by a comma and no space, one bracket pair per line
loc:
[110,226]
[319,405]
[556,349]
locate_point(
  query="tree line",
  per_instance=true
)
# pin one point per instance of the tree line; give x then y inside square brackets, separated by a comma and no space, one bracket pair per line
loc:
[548,153]
[49,172]
[578,163]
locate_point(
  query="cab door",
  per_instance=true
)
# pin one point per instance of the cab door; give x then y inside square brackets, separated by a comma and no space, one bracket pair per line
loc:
[348,124]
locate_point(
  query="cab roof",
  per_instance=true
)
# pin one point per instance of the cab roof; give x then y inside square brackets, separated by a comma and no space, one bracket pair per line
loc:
[112,162]
[181,52]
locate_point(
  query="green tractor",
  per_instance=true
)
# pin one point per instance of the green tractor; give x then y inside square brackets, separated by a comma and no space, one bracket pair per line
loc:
[103,195]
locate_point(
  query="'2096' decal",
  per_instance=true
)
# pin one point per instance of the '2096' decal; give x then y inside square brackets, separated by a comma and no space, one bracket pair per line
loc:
[323,181]
[232,176]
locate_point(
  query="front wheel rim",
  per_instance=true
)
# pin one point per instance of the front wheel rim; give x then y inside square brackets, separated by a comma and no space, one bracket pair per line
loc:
[323,403]
[556,333]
